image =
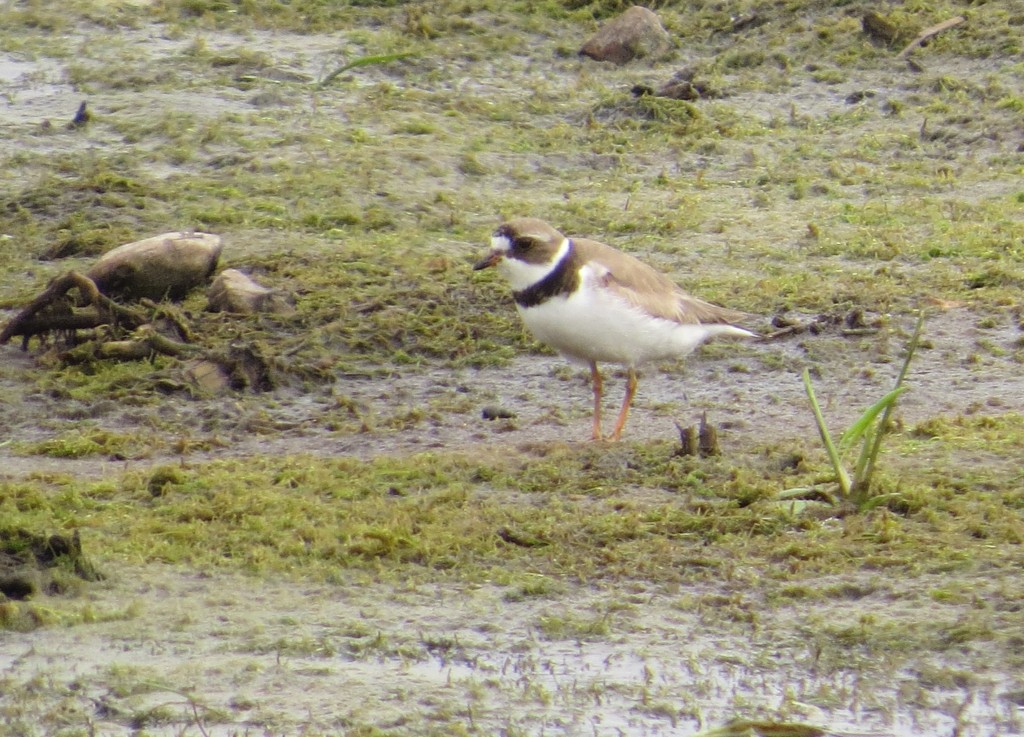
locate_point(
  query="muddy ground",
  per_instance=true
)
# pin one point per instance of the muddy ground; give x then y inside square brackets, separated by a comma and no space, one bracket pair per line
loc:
[174,651]
[221,654]
[549,401]
[266,657]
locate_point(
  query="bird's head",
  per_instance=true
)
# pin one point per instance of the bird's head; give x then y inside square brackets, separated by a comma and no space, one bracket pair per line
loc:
[524,250]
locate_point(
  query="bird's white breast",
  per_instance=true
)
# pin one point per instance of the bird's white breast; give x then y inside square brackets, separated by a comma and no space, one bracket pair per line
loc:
[595,324]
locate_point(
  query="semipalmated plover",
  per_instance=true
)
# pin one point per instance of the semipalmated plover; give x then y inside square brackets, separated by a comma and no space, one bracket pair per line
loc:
[594,304]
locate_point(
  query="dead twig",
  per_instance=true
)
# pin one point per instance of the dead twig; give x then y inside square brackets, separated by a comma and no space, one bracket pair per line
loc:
[931,32]
[192,701]
[172,315]
[144,344]
[688,440]
[26,323]
[698,441]
[708,438]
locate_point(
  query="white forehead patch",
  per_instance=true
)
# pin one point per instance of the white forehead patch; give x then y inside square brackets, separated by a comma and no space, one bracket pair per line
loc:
[501,243]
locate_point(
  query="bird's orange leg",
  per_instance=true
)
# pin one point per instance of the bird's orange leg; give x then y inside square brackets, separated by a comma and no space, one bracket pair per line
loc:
[626,402]
[595,377]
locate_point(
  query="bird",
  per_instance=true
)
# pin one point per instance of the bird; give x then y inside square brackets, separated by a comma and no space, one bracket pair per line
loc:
[595,304]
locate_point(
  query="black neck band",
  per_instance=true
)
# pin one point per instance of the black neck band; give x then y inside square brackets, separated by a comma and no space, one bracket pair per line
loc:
[560,280]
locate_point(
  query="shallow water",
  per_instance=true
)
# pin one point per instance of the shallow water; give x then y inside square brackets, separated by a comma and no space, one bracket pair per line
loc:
[283,658]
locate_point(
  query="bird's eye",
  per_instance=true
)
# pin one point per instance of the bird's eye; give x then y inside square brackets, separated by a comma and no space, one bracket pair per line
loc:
[521,244]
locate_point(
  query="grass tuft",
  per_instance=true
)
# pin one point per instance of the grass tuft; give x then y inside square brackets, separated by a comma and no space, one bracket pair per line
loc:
[857,488]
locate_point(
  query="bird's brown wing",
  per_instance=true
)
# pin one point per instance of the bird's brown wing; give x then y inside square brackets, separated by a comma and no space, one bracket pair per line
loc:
[645,288]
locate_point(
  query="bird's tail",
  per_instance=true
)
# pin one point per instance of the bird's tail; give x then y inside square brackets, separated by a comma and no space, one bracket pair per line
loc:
[729,331]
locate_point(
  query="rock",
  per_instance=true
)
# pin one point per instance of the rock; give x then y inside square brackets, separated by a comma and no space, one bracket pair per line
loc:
[208,378]
[233,291]
[167,265]
[637,33]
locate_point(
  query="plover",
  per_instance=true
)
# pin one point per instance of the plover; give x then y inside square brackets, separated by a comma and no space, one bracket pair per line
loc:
[593,303]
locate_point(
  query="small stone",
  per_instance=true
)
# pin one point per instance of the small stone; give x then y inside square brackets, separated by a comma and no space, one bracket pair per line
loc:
[635,34]
[233,291]
[208,377]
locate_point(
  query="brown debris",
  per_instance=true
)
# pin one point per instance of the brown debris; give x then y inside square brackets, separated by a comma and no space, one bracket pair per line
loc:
[91,326]
[853,323]
[82,117]
[879,28]
[684,85]
[167,265]
[682,90]
[688,442]
[248,368]
[674,90]
[701,440]
[242,366]
[145,343]
[931,32]
[27,559]
[746,22]
[520,539]
[207,377]
[708,438]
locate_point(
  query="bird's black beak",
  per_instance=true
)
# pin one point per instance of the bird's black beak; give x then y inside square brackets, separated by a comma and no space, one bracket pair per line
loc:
[488,261]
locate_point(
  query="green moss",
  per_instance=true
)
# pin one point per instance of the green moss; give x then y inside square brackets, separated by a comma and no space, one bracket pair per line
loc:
[454,515]
[81,443]
[557,627]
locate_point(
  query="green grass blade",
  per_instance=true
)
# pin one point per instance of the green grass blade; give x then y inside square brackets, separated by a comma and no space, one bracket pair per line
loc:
[864,478]
[362,62]
[826,439]
[867,418]
[863,457]
[807,493]
[877,501]
[911,348]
